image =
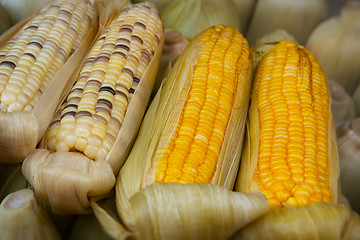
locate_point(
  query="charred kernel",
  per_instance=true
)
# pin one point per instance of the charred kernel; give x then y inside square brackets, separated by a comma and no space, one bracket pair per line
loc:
[8,63]
[31,55]
[136,79]
[70,113]
[31,27]
[126,70]
[71,105]
[107,102]
[125,29]
[54,122]
[120,53]
[140,24]
[109,89]
[122,46]
[123,40]
[36,44]
[137,38]
[83,113]
[122,94]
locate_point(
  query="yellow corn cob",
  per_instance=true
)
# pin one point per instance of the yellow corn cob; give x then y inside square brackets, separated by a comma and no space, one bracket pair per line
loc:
[102,113]
[28,64]
[291,155]
[193,130]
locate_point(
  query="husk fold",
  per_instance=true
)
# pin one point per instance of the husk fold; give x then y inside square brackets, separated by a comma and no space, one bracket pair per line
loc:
[190,17]
[22,218]
[316,221]
[166,108]
[298,18]
[245,10]
[186,211]
[342,105]
[348,144]
[335,43]
[67,180]
[21,131]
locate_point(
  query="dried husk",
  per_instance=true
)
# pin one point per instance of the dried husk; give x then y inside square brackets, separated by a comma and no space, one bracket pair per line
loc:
[335,43]
[12,178]
[342,105]
[245,183]
[349,155]
[55,176]
[356,98]
[188,211]
[174,45]
[160,4]
[190,17]
[298,18]
[316,221]
[22,218]
[245,10]
[21,131]
[160,119]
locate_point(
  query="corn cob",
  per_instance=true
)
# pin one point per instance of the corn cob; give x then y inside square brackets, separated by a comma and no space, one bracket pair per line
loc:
[29,62]
[102,113]
[290,153]
[192,130]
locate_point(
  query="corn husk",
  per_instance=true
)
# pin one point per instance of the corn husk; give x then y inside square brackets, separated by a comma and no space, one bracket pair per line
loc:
[21,131]
[66,180]
[160,4]
[316,221]
[190,17]
[342,105]
[348,141]
[356,98]
[174,45]
[189,211]
[22,218]
[298,18]
[335,42]
[249,159]
[12,179]
[165,111]
[245,10]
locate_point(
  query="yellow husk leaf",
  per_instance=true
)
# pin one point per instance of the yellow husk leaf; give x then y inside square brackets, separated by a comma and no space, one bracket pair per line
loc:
[21,131]
[298,18]
[316,221]
[342,105]
[22,218]
[335,43]
[194,211]
[190,17]
[166,107]
[356,98]
[64,189]
[348,144]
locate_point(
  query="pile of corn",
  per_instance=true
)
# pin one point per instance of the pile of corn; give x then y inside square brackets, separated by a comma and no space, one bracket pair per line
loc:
[184,119]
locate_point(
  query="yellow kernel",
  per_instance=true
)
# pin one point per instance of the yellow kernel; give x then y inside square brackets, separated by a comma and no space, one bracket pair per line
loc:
[274,203]
[291,202]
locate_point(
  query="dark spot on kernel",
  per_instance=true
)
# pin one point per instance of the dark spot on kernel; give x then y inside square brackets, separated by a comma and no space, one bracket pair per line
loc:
[131,90]
[31,27]
[122,94]
[122,46]
[107,102]
[70,113]
[82,114]
[137,38]
[71,105]
[120,53]
[54,122]
[140,24]
[109,89]
[136,79]
[36,44]
[8,63]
